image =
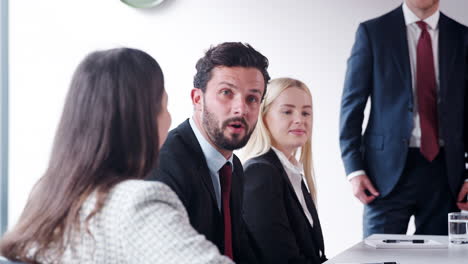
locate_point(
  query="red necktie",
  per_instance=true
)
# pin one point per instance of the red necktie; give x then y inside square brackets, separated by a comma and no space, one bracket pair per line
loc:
[225,175]
[427,95]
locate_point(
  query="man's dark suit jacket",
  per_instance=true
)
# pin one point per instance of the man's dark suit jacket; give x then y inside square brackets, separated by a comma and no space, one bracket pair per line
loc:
[183,167]
[280,230]
[379,69]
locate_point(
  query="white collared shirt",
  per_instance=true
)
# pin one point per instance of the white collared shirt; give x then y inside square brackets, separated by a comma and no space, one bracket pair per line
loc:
[296,176]
[214,160]
[413,32]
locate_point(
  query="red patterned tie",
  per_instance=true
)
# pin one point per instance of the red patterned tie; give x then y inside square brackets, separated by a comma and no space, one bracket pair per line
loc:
[427,95]
[225,175]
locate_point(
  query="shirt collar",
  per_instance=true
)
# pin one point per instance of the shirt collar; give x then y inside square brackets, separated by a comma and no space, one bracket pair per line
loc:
[286,163]
[288,166]
[411,18]
[214,159]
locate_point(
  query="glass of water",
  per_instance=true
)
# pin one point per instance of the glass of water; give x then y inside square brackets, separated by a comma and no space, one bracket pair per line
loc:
[458,228]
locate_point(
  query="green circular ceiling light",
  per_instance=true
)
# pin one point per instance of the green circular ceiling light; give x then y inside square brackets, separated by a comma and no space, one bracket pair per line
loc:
[142,3]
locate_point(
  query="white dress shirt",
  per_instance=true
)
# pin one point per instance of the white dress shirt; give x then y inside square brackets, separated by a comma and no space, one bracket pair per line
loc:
[413,32]
[296,176]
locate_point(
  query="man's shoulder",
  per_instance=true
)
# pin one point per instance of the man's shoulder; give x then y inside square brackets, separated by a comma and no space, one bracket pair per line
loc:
[452,23]
[181,148]
[180,141]
[178,135]
[385,19]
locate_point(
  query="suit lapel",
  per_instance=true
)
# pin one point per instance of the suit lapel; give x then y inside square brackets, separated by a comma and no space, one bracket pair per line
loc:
[446,54]
[202,169]
[275,161]
[316,229]
[400,52]
[236,203]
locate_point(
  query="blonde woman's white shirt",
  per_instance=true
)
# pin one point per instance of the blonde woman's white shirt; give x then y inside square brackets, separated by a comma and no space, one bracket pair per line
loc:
[295,175]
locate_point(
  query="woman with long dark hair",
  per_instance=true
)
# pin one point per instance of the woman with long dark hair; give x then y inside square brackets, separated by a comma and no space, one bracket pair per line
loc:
[91,205]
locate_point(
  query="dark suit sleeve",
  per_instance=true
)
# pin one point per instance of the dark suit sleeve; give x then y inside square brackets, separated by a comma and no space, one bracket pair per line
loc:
[248,254]
[357,87]
[266,218]
[466,105]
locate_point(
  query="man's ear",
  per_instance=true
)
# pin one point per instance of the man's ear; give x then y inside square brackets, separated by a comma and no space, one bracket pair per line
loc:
[197,99]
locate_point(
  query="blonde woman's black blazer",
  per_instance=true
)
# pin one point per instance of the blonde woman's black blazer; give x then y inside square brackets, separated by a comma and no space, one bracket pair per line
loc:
[274,217]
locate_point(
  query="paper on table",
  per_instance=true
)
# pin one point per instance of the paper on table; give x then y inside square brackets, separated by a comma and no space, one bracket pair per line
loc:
[386,262]
[428,243]
[391,262]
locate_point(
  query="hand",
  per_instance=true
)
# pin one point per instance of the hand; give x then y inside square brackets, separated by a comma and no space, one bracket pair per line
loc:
[461,197]
[360,185]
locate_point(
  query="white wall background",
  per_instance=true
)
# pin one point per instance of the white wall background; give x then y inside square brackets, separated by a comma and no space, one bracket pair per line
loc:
[306,39]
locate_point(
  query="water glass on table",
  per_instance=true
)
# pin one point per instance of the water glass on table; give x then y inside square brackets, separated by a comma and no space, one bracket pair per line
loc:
[458,228]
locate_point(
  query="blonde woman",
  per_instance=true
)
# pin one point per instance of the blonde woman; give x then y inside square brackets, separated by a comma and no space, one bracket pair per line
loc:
[279,190]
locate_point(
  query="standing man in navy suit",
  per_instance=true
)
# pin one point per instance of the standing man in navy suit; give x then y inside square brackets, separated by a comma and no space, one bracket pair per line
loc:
[412,63]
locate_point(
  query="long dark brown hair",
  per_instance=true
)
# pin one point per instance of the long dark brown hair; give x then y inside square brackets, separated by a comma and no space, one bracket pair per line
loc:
[108,133]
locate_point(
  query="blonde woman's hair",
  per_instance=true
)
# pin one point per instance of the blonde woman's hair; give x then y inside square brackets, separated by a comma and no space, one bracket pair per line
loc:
[260,141]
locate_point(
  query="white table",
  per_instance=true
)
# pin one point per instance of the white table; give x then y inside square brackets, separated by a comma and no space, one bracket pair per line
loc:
[362,253]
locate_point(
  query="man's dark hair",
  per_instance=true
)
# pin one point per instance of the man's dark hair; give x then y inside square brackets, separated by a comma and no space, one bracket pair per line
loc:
[229,54]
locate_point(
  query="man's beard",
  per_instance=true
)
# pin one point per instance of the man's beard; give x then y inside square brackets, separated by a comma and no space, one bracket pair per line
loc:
[215,133]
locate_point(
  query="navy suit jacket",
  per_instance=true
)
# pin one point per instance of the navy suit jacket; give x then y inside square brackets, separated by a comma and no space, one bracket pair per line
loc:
[379,69]
[183,167]
[275,219]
